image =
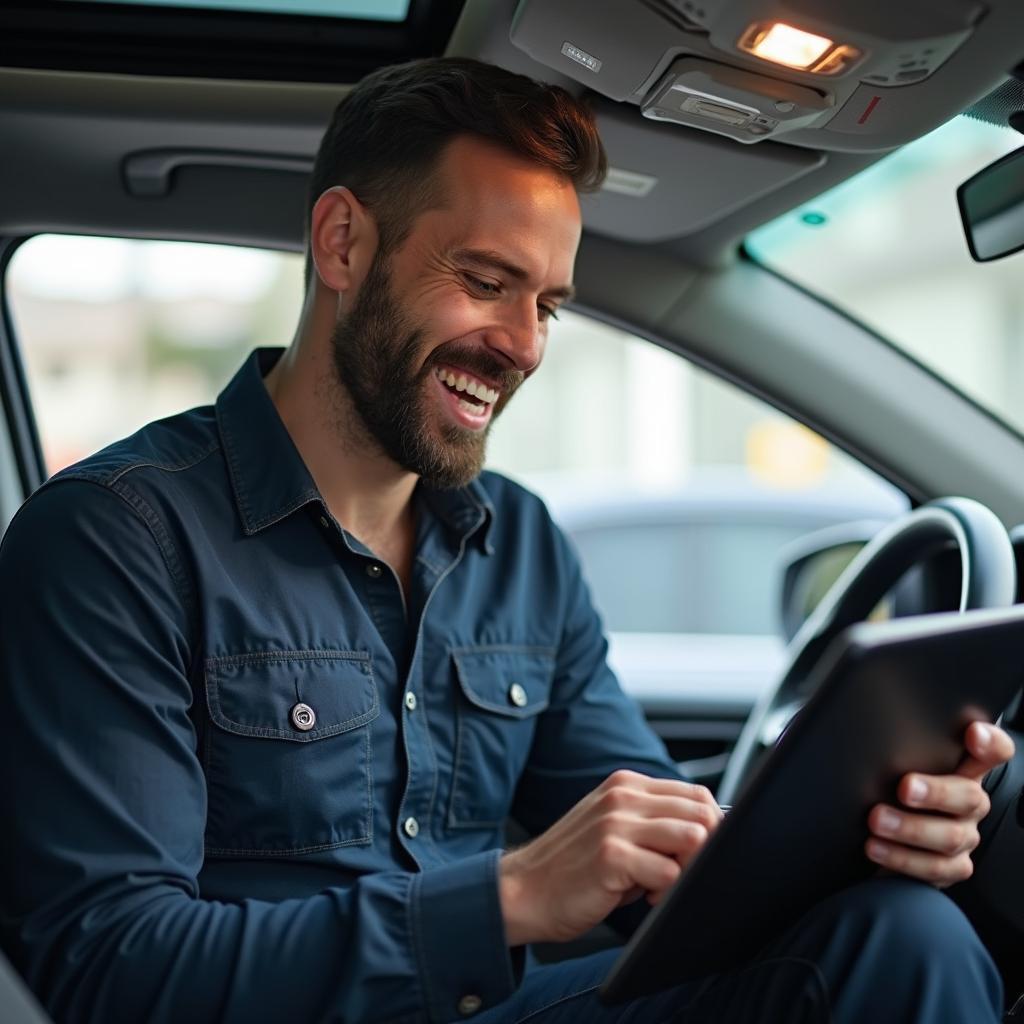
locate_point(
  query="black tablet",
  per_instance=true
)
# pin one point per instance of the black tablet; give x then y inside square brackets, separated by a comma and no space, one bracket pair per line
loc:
[892,697]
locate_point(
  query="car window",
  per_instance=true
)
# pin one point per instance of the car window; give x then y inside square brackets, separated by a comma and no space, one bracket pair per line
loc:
[116,332]
[678,489]
[887,247]
[374,10]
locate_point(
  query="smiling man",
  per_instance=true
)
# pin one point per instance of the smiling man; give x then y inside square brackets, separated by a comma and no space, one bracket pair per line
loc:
[278,670]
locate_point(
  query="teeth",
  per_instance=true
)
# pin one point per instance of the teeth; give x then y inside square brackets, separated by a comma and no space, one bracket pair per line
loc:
[472,387]
[472,407]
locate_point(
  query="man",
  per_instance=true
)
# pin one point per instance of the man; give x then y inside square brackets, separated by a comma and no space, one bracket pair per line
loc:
[277,671]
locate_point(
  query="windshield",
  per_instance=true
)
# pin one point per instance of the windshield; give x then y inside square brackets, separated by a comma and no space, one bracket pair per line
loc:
[374,10]
[887,247]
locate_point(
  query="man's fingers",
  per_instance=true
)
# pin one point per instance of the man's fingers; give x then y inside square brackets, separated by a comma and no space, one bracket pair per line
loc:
[935,868]
[634,803]
[668,836]
[948,836]
[634,781]
[987,746]
[947,794]
[624,866]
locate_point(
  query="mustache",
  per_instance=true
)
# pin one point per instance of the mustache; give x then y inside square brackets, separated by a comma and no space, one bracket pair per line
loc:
[480,363]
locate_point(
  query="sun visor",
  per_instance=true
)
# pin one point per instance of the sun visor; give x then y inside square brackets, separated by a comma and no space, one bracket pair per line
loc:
[651,194]
[831,74]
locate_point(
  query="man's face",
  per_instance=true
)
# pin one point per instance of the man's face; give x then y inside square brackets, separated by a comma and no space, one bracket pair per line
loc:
[445,329]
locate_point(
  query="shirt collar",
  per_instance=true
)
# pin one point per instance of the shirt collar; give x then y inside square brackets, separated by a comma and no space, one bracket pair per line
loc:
[269,478]
[466,510]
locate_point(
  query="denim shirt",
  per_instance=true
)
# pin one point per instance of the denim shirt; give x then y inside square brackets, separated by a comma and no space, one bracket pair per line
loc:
[244,778]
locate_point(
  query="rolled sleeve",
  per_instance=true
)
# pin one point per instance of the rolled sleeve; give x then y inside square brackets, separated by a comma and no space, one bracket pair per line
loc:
[465,963]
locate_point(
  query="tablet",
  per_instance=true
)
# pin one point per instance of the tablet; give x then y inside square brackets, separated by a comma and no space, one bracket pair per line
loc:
[891,697]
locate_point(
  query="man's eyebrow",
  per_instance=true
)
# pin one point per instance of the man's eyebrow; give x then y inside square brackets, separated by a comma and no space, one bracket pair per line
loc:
[491,260]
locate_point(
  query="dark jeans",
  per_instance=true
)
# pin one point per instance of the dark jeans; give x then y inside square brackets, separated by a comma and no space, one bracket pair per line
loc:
[889,951]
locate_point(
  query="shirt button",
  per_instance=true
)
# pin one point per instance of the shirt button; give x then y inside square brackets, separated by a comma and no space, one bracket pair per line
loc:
[468,1005]
[517,695]
[373,570]
[303,717]
[411,827]
[410,701]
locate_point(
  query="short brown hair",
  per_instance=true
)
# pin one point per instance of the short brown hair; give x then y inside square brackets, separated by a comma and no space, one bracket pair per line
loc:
[387,134]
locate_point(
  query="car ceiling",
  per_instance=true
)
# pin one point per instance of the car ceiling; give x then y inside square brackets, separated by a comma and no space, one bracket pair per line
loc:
[216,159]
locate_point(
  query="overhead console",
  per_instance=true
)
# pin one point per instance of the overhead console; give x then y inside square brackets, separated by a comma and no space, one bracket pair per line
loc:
[830,74]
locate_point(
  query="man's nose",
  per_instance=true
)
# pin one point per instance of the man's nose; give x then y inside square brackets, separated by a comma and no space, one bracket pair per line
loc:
[519,337]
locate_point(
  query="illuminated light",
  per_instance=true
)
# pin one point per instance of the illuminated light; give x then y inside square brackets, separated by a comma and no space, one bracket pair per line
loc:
[794,48]
[813,218]
[784,44]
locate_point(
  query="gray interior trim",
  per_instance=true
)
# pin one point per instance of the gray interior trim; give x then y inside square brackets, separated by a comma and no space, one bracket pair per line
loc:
[21,460]
[11,493]
[17,1004]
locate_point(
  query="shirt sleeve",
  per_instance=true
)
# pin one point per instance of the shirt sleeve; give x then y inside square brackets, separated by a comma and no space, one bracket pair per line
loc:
[591,727]
[104,808]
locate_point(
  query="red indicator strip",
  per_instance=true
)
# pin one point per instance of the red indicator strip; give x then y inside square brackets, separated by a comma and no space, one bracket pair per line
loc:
[867,110]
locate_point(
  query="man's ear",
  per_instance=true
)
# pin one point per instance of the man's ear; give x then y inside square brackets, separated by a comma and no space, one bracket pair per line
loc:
[342,239]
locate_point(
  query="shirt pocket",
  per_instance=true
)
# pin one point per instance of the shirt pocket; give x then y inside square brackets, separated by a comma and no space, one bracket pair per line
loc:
[281,780]
[501,691]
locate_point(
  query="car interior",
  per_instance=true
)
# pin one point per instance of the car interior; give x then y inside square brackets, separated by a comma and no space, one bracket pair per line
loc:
[198,122]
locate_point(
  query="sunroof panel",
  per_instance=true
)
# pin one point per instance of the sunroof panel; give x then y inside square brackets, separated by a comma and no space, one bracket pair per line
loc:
[368,10]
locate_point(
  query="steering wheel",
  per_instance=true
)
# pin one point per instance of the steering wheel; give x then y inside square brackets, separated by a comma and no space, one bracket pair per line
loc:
[988,581]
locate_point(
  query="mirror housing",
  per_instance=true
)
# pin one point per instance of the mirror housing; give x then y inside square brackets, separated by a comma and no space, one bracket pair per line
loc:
[992,207]
[811,564]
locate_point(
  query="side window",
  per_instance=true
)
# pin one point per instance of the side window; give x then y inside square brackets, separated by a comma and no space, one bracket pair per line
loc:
[117,332]
[680,491]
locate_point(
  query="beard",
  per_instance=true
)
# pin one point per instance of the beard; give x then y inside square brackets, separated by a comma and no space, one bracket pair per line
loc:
[374,351]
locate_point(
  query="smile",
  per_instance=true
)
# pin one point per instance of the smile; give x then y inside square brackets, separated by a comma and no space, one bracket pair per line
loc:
[462,383]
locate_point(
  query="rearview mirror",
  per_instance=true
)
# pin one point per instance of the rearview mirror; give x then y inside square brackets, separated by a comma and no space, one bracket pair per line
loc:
[992,208]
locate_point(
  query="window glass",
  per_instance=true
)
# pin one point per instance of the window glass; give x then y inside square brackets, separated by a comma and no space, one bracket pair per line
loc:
[115,333]
[887,246]
[373,10]
[678,489]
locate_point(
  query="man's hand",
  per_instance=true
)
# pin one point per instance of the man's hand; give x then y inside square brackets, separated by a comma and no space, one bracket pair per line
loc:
[934,840]
[632,835]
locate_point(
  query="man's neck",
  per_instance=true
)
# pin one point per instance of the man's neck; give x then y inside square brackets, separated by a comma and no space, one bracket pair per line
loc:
[365,491]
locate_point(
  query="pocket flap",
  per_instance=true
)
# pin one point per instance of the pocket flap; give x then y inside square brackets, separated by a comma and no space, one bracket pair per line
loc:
[510,681]
[254,694]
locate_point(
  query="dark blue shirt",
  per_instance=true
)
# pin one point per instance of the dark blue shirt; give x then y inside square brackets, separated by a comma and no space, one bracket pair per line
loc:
[245,779]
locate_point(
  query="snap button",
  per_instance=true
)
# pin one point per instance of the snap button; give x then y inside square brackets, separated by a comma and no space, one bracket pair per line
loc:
[517,695]
[373,570]
[411,827]
[303,717]
[468,1005]
[410,701]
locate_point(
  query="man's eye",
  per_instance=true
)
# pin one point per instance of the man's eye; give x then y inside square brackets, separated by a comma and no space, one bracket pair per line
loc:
[546,313]
[479,285]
